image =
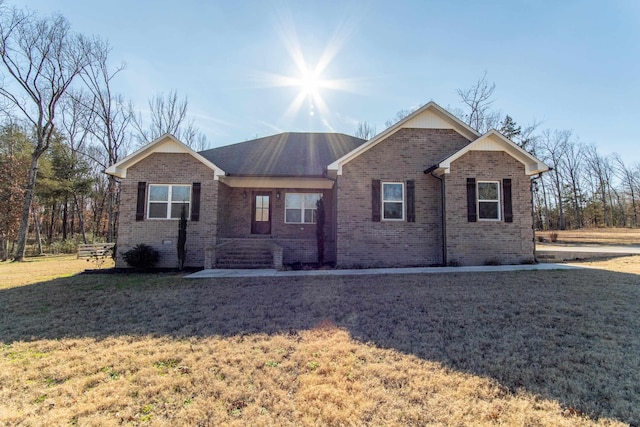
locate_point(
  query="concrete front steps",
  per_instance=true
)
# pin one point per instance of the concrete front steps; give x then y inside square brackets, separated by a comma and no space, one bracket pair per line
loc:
[244,254]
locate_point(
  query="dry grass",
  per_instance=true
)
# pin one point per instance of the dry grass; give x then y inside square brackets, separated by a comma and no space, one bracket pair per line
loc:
[609,236]
[521,348]
[627,264]
[39,269]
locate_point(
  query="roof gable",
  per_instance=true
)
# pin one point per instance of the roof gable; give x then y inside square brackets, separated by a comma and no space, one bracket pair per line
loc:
[167,143]
[429,116]
[494,141]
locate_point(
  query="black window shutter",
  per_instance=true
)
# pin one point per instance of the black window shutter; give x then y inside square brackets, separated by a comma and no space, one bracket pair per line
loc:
[508,209]
[411,201]
[195,201]
[142,188]
[375,200]
[471,200]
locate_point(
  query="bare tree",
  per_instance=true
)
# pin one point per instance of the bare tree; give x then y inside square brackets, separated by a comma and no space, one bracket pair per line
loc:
[552,148]
[76,121]
[168,114]
[113,119]
[42,58]
[477,99]
[365,130]
[628,178]
[601,171]
[571,163]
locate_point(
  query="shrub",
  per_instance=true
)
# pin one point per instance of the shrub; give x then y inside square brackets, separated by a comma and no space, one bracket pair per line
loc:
[141,256]
[553,237]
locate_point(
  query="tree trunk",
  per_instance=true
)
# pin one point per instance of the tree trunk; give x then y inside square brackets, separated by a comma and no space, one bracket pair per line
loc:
[26,207]
[4,244]
[36,225]
[111,190]
[562,224]
[80,219]
[72,221]
[65,213]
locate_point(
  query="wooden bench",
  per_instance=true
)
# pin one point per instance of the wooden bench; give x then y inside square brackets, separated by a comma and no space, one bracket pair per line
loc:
[98,249]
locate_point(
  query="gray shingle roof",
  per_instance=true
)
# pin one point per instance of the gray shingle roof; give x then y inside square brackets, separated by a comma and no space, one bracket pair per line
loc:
[285,154]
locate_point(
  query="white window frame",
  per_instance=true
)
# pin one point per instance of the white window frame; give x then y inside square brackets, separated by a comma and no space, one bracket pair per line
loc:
[169,202]
[497,201]
[383,201]
[302,208]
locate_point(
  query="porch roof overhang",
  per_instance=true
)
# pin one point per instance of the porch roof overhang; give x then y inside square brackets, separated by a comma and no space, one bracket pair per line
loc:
[237,181]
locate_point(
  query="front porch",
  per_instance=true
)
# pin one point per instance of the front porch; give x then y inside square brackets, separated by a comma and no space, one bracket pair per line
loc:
[268,222]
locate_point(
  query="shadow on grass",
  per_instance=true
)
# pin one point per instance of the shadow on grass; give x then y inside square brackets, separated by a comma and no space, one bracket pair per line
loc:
[571,336]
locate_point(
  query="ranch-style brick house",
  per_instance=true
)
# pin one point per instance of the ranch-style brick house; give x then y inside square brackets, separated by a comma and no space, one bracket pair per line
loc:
[429,190]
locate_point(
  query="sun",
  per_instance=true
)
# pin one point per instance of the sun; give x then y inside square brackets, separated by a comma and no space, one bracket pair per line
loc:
[310,83]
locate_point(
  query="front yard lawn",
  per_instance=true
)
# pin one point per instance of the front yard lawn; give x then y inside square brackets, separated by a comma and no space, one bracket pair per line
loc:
[519,348]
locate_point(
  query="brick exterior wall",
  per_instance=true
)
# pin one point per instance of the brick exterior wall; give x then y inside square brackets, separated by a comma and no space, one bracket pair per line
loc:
[481,242]
[165,168]
[402,156]
[297,240]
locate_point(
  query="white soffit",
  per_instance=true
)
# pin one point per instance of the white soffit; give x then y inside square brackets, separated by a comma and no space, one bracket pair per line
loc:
[276,182]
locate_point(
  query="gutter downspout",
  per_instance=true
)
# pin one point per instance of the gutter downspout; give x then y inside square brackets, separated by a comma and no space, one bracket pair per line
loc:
[444,218]
[533,216]
[334,222]
[442,212]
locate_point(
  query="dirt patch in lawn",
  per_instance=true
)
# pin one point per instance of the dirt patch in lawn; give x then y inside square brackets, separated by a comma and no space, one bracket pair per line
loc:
[521,348]
[607,236]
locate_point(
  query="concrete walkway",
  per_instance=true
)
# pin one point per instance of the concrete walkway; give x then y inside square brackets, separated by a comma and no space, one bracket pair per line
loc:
[207,274]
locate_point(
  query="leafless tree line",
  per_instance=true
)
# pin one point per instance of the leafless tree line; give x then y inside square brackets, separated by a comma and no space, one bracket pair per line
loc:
[63,125]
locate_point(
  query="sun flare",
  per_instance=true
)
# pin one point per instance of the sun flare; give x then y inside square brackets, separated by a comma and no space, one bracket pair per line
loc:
[310,72]
[310,83]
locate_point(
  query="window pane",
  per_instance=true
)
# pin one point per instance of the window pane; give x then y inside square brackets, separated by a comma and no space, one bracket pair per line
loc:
[310,216]
[487,191]
[158,193]
[488,210]
[293,200]
[262,214]
[310,201]
[258,202]
[293,215]
[176,209]
[392,210]
[157,210]
[392,192]
[180,193]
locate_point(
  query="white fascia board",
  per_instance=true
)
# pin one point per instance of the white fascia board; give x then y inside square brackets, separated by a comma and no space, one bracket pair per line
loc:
[167,143]
[456,124]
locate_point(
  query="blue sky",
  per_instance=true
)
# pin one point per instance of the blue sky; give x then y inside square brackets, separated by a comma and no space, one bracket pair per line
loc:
[571,64]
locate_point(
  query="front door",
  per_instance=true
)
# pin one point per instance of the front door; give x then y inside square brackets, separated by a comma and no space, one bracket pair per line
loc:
[261,213]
